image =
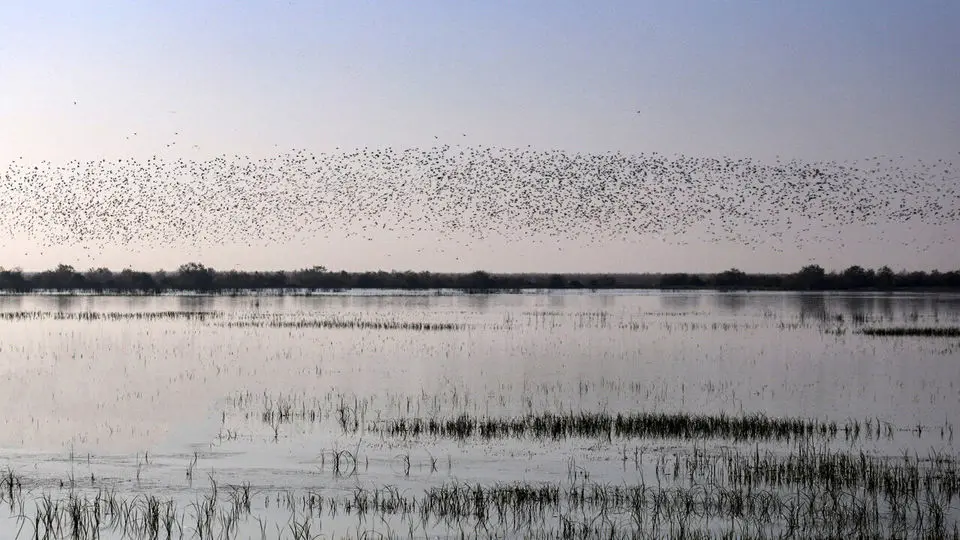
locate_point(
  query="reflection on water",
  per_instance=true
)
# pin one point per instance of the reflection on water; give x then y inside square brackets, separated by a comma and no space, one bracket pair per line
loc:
[11,302]
[132,382]
[66,303]
[556,301]
[732,302]
[810,306]
[680,301]
[196,303]
[260,388]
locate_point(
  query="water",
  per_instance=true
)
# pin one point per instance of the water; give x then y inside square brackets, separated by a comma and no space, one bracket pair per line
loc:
[126,392]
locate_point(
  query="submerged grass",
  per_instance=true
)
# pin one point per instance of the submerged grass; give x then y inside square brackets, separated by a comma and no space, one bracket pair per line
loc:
[622,425]
[912,499]
[108,315]
[930,331]
[354,415]
[268,320]
[800,485]
[340,323]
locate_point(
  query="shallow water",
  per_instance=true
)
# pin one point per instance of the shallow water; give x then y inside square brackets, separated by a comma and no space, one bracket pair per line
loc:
[125,391]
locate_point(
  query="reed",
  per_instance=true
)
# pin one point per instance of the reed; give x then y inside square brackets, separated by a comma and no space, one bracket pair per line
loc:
[895,331]
[692,507]
[622,425]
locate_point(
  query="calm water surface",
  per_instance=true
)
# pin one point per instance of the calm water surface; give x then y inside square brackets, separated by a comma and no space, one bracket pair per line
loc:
[97,383]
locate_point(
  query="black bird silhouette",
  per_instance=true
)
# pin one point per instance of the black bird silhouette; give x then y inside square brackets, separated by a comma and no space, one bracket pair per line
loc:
[472,192]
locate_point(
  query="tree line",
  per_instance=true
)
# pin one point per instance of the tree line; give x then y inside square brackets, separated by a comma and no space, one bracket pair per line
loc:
[197,277]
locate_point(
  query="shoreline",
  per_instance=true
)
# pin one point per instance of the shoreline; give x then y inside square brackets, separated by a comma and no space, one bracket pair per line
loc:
[197,278]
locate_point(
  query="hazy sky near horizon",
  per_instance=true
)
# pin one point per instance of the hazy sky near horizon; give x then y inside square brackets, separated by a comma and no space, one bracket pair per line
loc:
[192,80]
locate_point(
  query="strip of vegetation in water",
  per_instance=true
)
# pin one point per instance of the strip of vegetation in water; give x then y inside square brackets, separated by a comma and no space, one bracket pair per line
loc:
[621,425]
[354,415]
[917,504]
[199,278]
[338,323]
[108,316]
[930,331]
[602,425]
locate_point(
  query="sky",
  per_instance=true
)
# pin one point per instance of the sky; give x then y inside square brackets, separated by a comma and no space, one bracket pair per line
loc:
[179,79]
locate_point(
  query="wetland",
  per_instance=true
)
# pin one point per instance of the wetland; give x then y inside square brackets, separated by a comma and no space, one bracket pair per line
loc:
[561,414]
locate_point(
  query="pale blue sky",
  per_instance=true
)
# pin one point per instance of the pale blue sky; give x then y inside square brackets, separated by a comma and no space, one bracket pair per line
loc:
[808,79]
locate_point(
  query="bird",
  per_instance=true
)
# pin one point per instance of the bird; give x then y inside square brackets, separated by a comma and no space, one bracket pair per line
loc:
[473,192]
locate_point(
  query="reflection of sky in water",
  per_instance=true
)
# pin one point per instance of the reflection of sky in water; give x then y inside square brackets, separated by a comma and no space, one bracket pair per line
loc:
[134,383]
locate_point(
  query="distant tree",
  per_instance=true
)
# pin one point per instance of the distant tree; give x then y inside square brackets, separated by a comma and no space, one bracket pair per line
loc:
[478,280]
[195,277]
[603,282]
[63,278]
[367,280]
[674,281]
[886,278]
[12,280]
[315,277]
[733,277]
[133,281]
[99,279]
[810,277]
[413,280]
[855,277]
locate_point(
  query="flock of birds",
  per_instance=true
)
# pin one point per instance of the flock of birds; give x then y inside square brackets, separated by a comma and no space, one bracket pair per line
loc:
[470,191]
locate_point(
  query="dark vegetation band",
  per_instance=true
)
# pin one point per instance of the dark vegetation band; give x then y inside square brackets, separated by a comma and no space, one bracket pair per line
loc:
[197,277]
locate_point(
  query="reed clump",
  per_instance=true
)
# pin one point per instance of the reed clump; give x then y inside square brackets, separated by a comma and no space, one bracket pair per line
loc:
[348,324]
[111,316]
[606,425]
[807,493]
[895,331]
